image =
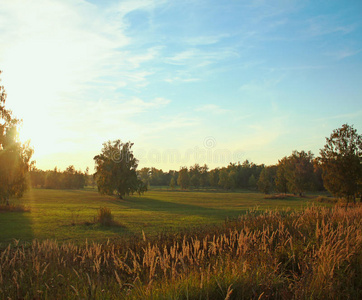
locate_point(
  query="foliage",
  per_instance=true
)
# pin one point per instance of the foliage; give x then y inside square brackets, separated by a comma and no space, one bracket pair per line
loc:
[104,216]
[266,183]
[226,179]
[310,254]
[300,172]
[183,179]
[54,179]
[14,156]
[281,182]
[172,183]
[341,162]
[116,170]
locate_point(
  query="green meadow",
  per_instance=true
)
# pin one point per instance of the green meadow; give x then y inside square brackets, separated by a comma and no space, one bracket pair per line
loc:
[68,215]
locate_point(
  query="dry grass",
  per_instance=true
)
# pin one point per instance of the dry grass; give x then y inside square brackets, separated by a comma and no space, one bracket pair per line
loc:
[315,253]
[323,199]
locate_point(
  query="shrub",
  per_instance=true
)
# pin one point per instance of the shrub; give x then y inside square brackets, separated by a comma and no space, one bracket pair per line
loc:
[104,216]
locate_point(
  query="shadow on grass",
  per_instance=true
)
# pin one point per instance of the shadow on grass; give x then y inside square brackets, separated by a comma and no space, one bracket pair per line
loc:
[115,227]
[155,205]
[15,225]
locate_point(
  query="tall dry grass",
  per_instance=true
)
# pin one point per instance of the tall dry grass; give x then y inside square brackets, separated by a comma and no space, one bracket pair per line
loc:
[315,253]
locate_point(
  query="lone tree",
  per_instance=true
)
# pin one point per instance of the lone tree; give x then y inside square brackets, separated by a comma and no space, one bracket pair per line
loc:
[14,156]
[116,170]
[340,161]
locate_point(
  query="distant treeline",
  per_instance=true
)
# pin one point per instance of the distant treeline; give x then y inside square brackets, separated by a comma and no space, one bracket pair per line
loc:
[55,179]
[297,173]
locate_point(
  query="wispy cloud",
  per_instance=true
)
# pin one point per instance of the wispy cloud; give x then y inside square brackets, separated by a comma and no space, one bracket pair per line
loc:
[205,40]
[212,108]
[326,24]
[200,58]
[343,53]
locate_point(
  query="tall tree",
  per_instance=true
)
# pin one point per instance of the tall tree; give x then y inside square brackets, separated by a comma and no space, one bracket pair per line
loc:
[300,172]
[116,170]
[281,182]
[341,162]
[14,156]
[266,180]
[183,179]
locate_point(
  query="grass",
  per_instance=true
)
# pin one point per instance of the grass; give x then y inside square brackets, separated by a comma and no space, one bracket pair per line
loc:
[68,215]
[310,253]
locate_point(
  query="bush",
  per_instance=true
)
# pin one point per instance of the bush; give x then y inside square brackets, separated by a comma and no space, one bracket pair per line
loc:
[104,216]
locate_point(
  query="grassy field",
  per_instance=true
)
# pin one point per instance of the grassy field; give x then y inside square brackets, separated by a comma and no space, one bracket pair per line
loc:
[68,215]
[311,253]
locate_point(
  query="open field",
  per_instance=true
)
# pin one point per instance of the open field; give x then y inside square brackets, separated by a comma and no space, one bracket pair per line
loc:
[68,215]
[311,253]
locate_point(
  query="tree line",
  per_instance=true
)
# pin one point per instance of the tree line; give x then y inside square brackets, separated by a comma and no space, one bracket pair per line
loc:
[70,178]
[338,169]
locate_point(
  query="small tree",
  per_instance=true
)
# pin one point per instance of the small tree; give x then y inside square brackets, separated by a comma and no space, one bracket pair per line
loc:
[341,160]
[116,170]
[14,156]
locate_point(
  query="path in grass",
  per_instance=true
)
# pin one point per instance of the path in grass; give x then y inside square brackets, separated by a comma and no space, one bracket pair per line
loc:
[68,215]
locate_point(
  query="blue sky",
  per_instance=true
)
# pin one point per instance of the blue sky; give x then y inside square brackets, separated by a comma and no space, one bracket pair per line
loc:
[187,81]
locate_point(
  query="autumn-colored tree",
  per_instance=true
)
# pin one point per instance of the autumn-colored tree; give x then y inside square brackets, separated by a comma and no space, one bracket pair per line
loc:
[341,162]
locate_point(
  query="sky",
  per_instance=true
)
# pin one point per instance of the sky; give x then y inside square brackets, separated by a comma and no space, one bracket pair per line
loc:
[186,81]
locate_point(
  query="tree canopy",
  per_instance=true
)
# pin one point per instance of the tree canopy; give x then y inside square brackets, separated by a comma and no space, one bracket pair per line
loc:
[116,170]
[341,160]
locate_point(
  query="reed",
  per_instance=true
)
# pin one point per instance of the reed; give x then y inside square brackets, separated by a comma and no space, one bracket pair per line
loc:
[314,253]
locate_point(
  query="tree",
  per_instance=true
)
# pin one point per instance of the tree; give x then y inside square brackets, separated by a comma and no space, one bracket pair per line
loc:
[14,156]
[204,178]
[195,175]
[300,172]
[340,160]
[214,177]
[183,179]
[226,179]
[266,179]
[252,182]
[281,182]
[172,183]
[116,170]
